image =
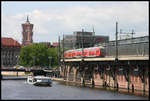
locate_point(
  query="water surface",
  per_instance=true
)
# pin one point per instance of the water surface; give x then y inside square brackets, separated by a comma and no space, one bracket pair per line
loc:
[19,89]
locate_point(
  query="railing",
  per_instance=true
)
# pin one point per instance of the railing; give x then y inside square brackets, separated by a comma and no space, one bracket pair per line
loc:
[108,58]
[26,69]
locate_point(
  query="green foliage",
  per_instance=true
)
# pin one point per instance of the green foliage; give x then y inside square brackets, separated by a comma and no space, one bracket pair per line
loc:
[27,73]
[53,52]
[41,53]
[25,58]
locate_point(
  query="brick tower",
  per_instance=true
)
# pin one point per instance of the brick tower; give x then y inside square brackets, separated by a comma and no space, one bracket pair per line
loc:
[27,33]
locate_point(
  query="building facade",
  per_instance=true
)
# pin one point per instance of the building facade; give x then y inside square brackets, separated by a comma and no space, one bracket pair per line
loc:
[55,44]
[27,33]
[81,39]
[10,50]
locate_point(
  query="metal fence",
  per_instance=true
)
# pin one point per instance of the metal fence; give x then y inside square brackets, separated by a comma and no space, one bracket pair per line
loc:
[136,46]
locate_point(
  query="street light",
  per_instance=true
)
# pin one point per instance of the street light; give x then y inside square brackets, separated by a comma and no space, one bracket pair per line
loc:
[2,57]
[50,58]
[4,60]
[17,58]
[17,62]
[116,58]
[34,60]
[82,43]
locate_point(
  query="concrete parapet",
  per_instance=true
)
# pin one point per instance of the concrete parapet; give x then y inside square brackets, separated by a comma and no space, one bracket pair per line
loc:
[12,73]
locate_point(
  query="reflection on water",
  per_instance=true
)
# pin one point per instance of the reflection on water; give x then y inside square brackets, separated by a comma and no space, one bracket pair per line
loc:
[120,90]
[136,92]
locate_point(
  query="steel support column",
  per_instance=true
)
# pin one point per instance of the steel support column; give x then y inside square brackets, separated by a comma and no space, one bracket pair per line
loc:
[92,76]
[142,74]
[83,78]
[65,71]
[75,74]
[126,72]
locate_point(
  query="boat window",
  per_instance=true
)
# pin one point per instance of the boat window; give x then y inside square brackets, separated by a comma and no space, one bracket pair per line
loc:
[30,80]
[34,80]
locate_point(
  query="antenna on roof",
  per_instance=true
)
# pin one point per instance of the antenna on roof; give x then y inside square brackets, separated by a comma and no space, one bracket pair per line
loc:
[93,31]
[127,34]
[82,30]
[132,32]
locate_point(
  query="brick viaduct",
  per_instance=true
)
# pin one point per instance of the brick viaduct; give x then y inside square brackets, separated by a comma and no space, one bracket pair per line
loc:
[131,73]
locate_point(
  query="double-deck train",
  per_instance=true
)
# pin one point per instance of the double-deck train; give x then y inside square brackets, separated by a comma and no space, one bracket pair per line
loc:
[138,46]
[85,52]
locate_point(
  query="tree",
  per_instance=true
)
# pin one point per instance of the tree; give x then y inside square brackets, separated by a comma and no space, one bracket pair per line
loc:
[39,50]
[37,54]
[27,53]
[53,53]
[25,58]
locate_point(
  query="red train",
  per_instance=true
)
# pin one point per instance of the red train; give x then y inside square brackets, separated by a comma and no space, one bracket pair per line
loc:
[87,52]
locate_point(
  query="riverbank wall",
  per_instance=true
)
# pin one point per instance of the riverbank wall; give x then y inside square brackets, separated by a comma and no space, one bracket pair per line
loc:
[10,73]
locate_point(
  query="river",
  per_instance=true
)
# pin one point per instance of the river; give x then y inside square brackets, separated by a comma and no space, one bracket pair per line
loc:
[19,89]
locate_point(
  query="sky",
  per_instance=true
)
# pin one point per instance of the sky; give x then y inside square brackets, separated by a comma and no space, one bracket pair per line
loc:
[53,19]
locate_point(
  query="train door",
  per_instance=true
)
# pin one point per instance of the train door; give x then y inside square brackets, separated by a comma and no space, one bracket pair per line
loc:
[78,53]
[73,53]
[97,51]
[85,54]
[102,52]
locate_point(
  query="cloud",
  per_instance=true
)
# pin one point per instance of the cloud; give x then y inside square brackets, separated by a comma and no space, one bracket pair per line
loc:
[10,28]
[50,23]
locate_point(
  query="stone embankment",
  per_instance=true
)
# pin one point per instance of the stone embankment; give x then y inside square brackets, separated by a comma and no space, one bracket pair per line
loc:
[13,73]
[57,79]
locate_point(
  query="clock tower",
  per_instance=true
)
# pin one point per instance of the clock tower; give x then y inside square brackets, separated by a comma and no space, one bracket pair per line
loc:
[27,33]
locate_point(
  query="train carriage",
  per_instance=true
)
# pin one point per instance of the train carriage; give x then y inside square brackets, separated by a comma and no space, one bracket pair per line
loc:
[87,52]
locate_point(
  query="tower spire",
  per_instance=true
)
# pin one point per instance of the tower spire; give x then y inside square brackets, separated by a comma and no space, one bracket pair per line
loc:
[27,19]
[27,32]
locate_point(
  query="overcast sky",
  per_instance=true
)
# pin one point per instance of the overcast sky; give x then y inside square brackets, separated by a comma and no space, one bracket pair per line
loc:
[53,19]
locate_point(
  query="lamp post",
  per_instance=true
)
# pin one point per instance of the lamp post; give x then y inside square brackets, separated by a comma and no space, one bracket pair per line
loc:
[34,60]
[63,47]
[50,58]
[2,57]
[4,60]
[82,43]
[116,58]
[17,57]
[59,55]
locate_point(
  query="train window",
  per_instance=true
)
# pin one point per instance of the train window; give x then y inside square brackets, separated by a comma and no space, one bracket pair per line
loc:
[78,52]
[65,54]
[73,53]
[97,52]
[69,54]
[85,52]
[91,52]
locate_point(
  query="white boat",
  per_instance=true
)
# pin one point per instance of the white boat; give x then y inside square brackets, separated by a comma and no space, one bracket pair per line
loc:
[39,80]
[30,80]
